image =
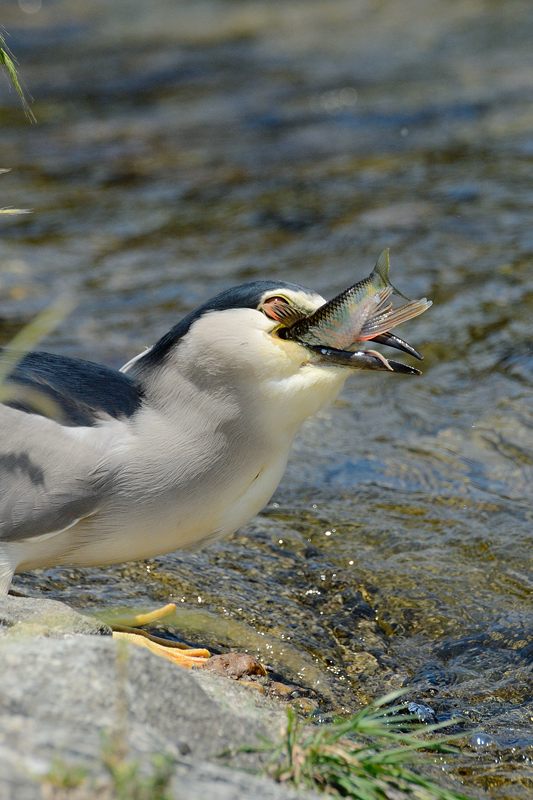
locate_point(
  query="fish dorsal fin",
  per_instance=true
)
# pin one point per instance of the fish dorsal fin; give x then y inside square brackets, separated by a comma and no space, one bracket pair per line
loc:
[382,269]
[383,266]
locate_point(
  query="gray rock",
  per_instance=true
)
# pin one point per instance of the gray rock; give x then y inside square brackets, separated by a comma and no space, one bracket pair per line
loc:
[21,617]
[64,694]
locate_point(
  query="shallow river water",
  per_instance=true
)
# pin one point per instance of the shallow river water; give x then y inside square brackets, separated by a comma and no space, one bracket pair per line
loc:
[184,147]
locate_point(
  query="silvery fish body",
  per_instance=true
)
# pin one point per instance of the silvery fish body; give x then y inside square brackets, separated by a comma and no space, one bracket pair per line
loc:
[359,313]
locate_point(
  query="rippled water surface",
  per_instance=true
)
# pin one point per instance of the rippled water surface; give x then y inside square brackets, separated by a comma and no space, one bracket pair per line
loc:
[183,147]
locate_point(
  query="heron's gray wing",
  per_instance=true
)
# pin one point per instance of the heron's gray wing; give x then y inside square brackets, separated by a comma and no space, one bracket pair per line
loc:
[74,391]
[49,476]
[49,468]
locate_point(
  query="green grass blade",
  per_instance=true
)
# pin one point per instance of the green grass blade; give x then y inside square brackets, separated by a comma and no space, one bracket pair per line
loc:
[365,757]
[8,61]
[32,333]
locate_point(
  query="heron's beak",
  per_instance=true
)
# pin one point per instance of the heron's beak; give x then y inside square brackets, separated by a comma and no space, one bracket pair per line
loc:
[391,340]
[364,359]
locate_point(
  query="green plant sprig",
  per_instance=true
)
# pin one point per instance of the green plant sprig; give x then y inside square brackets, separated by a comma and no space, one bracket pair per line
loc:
[9,62]
[365,757]
[21,344]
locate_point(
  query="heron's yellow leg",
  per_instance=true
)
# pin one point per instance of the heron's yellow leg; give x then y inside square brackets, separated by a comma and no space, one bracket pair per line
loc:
[179,654]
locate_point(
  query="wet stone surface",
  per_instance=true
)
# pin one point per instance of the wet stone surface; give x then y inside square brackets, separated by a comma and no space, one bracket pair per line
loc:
[71,698]
[203,144]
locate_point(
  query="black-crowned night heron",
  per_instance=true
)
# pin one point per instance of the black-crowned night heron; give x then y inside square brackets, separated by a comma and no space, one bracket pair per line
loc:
[183,445]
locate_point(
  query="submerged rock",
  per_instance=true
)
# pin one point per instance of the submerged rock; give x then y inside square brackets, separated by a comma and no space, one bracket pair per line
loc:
[70,696]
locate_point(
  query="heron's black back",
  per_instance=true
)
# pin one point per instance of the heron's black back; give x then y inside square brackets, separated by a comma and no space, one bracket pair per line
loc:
[81,392]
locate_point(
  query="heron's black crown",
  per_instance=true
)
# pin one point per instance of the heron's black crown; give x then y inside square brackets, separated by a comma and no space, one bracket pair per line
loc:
[246,295]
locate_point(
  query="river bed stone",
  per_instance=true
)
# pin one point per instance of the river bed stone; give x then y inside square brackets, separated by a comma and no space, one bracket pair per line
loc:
[70,692]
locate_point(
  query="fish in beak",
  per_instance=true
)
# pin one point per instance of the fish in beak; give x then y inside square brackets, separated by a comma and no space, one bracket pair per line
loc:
[361,313]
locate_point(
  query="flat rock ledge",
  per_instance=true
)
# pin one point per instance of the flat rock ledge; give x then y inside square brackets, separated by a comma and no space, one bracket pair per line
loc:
[70,693]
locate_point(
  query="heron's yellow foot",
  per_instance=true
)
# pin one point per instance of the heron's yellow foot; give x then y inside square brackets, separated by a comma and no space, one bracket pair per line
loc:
[177,652]
[189,657]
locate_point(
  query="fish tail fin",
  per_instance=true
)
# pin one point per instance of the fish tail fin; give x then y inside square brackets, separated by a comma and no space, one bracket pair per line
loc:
[382,300]
[384,321]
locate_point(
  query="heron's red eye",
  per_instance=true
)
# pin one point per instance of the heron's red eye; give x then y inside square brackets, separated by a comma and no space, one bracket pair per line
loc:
[278,308]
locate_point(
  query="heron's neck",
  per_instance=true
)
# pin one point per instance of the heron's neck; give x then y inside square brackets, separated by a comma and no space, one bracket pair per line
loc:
[292,400]
[271,406]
